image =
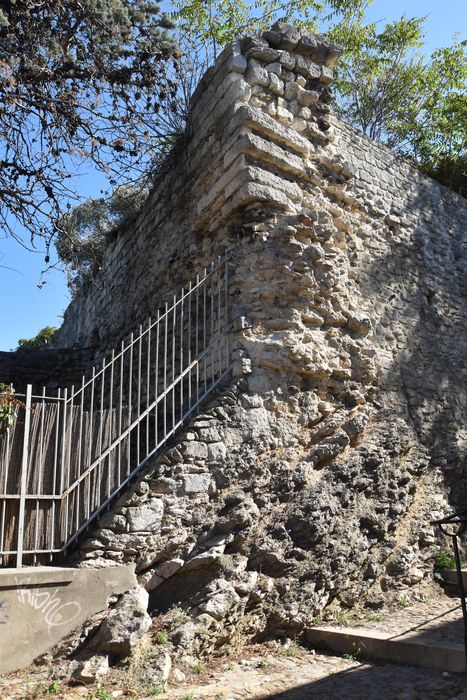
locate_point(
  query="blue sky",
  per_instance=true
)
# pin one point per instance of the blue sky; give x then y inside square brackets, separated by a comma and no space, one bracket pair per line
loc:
[25,308]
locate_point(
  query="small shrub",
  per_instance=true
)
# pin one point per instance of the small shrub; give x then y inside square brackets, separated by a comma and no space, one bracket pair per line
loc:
[354,655]
[290,649]
[263,664]
[445,561]
[405,602]
[198,667]
[376,617]
[53,688]
[161,637]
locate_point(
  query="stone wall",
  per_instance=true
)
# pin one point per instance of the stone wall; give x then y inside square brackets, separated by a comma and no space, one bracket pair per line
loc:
[310,482]
[51,367]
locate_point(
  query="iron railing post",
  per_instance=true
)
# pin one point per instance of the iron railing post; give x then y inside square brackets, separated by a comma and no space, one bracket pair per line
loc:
[457,519]
[24,475]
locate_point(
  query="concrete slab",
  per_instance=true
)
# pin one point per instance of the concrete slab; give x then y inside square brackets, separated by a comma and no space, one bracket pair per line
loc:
[41,605]
[450,576]
[402,648]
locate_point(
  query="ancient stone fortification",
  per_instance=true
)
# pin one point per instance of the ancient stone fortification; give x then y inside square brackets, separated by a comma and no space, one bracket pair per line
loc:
[312,478]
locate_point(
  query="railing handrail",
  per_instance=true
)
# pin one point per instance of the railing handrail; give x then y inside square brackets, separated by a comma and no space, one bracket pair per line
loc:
[89,442]
[152,324]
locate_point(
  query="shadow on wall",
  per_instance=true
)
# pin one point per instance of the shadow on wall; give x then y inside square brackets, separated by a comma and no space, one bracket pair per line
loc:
[419,285]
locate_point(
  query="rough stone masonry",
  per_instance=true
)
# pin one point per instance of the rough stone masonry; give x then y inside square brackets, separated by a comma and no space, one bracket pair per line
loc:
[311,479]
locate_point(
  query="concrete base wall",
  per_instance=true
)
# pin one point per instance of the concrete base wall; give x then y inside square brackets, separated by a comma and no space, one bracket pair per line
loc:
[41,605]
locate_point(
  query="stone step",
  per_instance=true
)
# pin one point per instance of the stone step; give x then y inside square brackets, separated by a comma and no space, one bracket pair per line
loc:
[450,576]
[406,648]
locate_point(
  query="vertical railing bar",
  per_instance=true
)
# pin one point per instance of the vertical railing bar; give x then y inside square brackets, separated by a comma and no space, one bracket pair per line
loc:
[174,340]
[190,293]
[212,323]
[165,370]
[182,321]
[130,403]
[197,336]
[91,435]
[148,382]
[120,410]
[110,421]
[204,331]
[138,401]
[226,312]
[54,474]
[219,321]
[156,383]
[23,483]
[68,460]
[40,479]
[80,450]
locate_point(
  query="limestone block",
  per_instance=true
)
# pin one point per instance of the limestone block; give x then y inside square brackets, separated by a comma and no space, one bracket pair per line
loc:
[287,60]
[168,568]
[90,668]
[146,517]
[326,76]
[307,44]
[291,90]
[123,628]
[257,75]
[238,63]
[196,483]
[307,68]
[276,85]
[307,97]
[195,450]
[216,451]
[253,118]
[285,117]
[274,68]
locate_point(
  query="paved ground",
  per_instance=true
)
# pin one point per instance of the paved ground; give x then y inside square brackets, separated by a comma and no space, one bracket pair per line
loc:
[274,671]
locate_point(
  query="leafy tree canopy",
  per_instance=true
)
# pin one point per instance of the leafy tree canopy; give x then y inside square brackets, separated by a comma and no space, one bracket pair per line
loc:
[81,79]
[43,337]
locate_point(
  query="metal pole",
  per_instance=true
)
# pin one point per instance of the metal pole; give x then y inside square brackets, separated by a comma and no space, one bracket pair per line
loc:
[24,474]
[461,588]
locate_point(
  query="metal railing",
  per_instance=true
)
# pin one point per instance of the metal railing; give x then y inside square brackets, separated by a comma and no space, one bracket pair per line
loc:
[65,457]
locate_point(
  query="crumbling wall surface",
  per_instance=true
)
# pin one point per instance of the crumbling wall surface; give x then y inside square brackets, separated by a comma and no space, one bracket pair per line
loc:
[311,480]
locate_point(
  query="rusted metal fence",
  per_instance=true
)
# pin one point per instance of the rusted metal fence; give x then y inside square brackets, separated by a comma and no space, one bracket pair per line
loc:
[66,456]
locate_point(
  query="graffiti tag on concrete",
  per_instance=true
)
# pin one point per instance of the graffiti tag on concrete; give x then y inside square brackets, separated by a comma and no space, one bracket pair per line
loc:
[56,613]
[3,613]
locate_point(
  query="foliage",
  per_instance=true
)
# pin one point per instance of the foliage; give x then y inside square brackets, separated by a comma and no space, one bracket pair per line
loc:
[445,561]
[9,404]
[417,108]
[213,24]
[84,233]
[42,338]
[80,80]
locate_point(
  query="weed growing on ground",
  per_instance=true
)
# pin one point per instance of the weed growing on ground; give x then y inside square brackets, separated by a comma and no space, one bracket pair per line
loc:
[290,649]
[198,667]
[316,621]
[177,616]
[263,664]
[354,655]
[405,602]
[376,617]
[161,637]
[344,618]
